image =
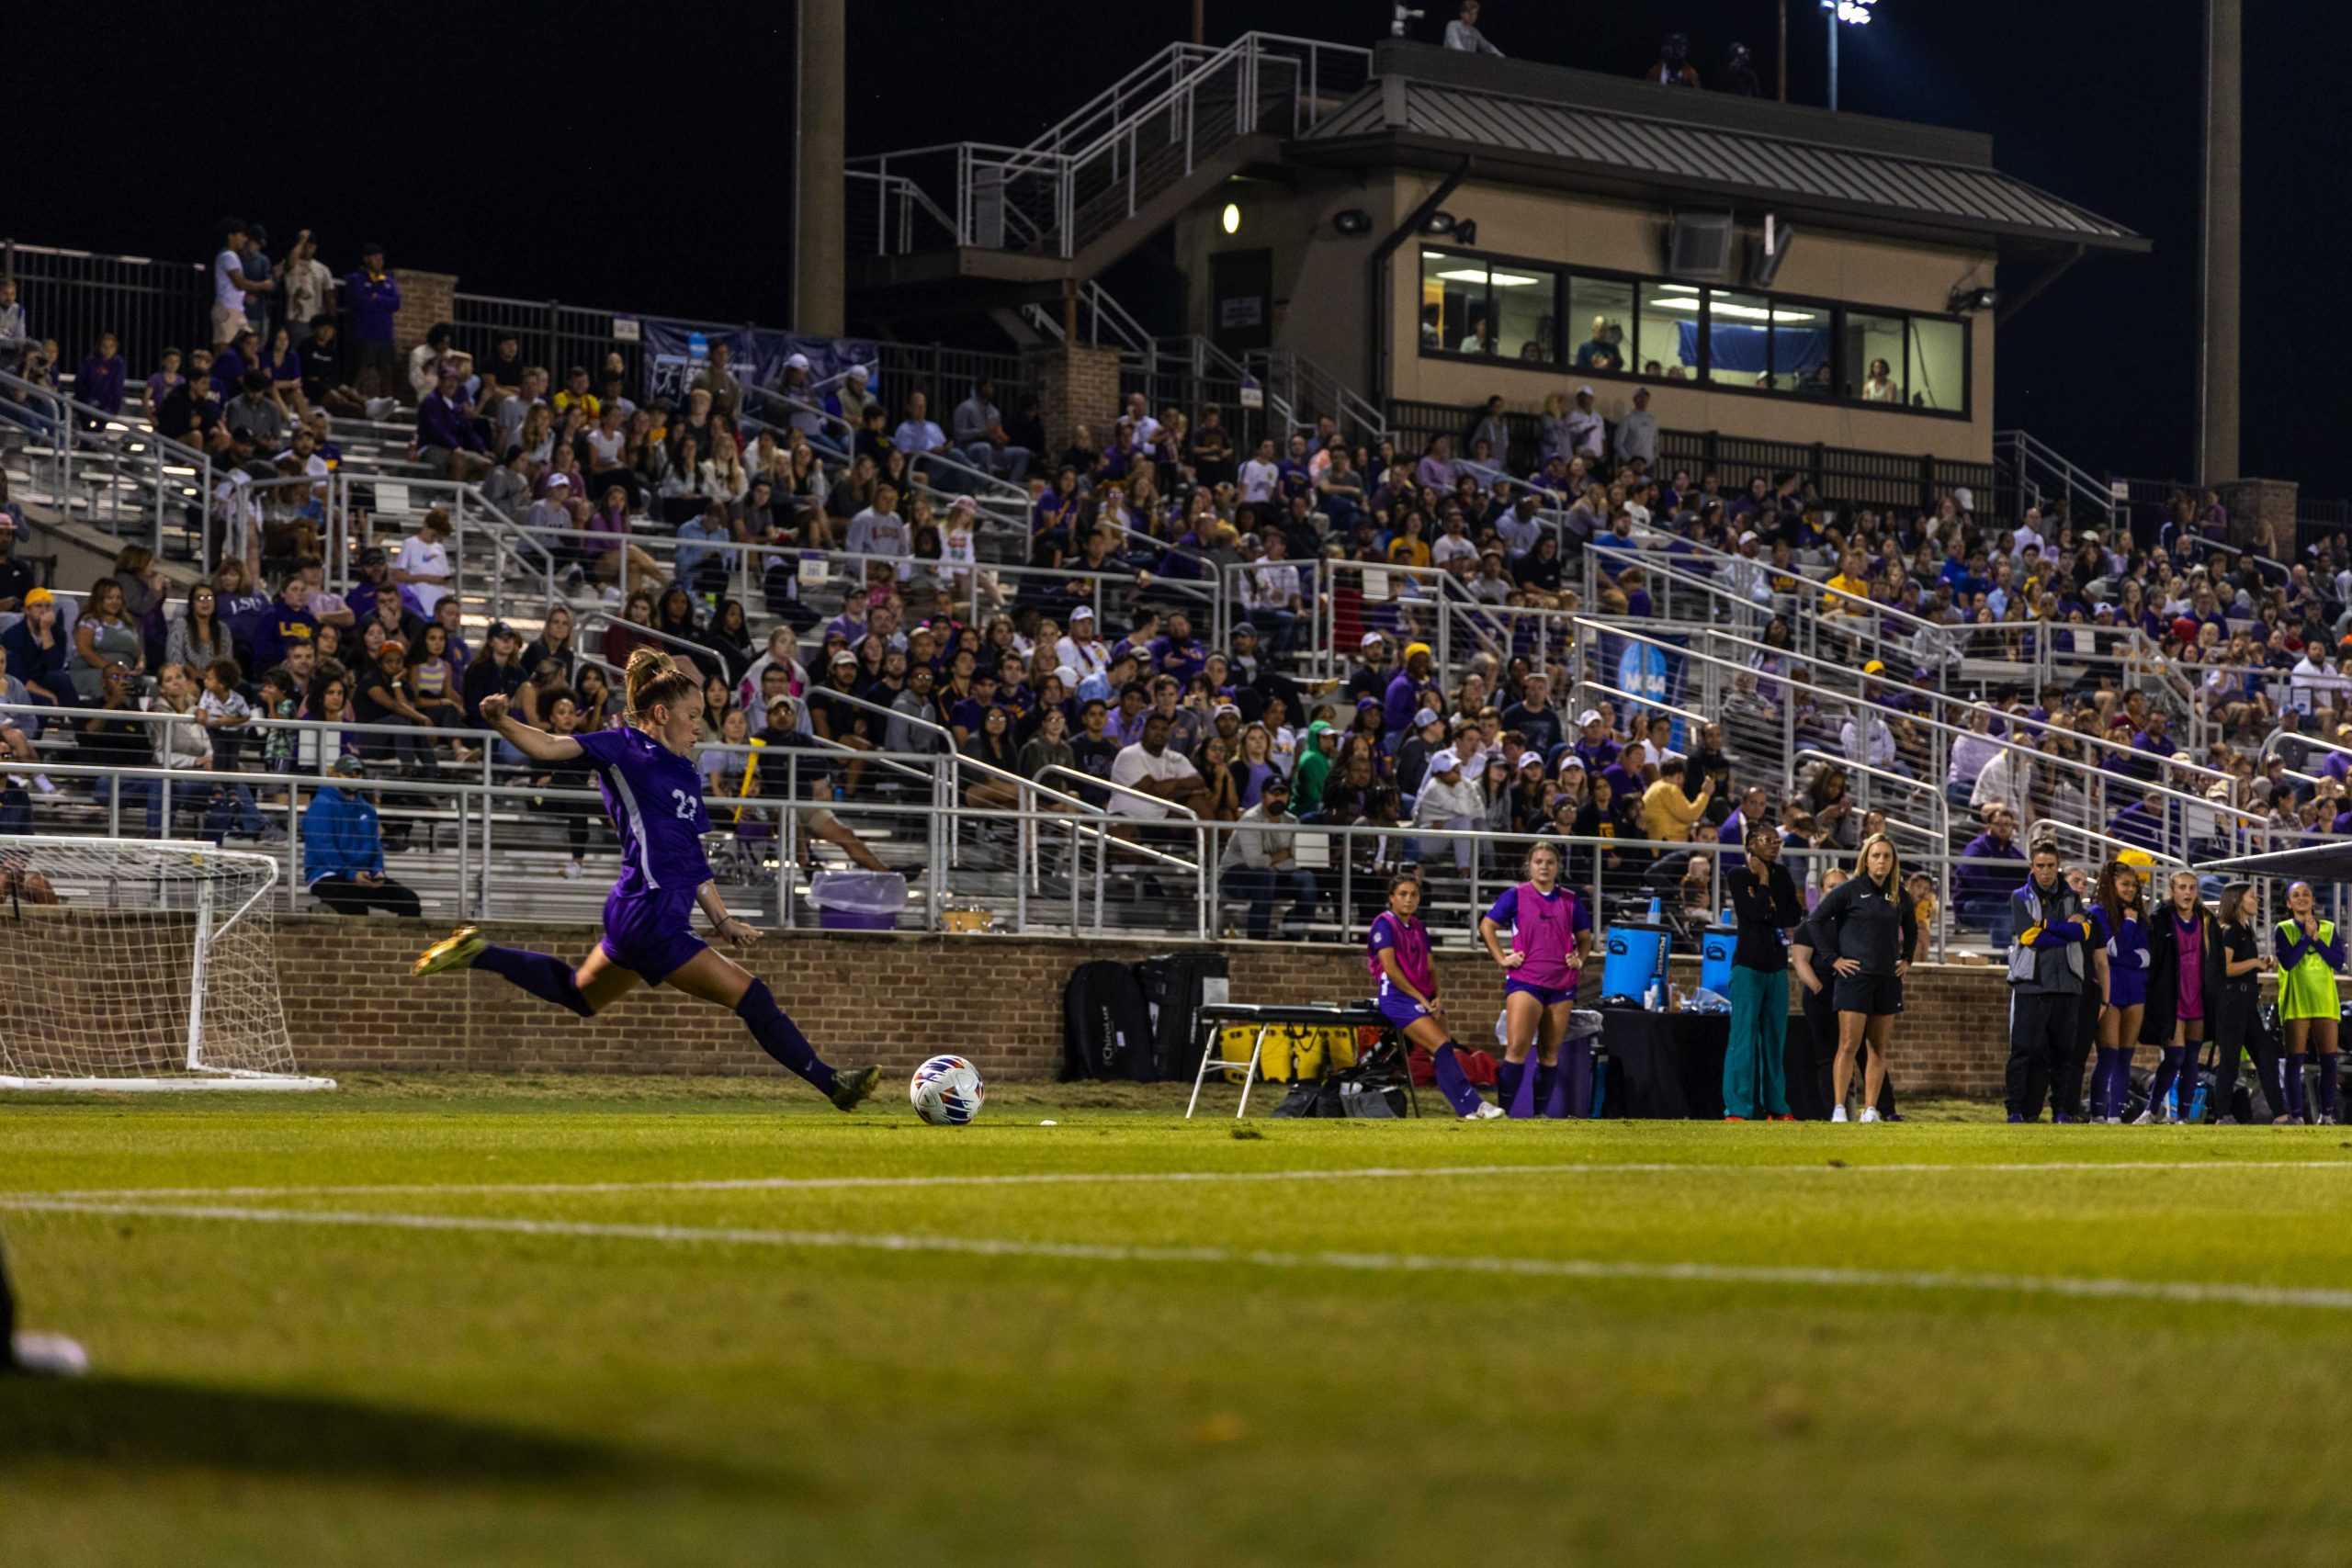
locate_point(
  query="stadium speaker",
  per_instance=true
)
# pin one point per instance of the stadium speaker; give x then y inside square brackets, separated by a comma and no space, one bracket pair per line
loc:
[1698,245]
[1763,264]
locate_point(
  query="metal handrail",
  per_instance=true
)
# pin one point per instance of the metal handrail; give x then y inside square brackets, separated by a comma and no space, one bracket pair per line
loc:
[1169,805]
[1942,803]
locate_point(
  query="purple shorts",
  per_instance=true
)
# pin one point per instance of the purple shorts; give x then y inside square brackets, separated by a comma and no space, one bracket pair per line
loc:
[1401,1010]
[1550,996]
[653,939]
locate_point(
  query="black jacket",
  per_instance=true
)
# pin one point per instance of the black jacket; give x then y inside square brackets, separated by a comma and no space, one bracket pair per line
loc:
[1857,920]
[2164,974]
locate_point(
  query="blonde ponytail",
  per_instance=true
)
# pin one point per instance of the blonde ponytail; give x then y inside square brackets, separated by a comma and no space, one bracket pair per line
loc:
[653,681]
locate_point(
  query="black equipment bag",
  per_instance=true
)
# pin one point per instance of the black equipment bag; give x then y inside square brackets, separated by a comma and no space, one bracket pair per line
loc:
[1106,1029]
[1174,986]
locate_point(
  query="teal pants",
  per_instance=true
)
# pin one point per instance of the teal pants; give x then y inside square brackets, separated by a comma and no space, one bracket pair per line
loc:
[1755,1075]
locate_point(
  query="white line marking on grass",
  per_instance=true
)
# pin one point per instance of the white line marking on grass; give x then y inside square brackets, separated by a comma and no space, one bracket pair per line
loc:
[1118,1177]
[2222,1292]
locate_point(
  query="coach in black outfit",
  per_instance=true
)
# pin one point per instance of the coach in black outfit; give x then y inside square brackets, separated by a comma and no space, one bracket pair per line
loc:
[2048,970]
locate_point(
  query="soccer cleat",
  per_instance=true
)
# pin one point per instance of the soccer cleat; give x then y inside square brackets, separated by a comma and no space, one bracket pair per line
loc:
[1487,1111]
[1870,1113]
[1838,1114]
[47,1356]
[1729,1117]
[853,1086]
[1783,1116]
[456,951]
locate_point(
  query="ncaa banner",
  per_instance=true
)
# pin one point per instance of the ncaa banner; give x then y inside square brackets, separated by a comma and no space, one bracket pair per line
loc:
[675,353]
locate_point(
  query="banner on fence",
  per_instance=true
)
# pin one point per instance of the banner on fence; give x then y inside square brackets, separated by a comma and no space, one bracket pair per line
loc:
[676,351]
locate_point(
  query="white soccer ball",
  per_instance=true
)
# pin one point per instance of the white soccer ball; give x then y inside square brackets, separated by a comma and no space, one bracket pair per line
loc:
[948,1092]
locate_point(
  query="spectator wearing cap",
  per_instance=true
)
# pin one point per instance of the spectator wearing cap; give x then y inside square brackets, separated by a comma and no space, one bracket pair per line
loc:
[343,848]
[1637,431]
[1081,648]
[1371,674]
[1449,799]
[373,299]
[1410,690]
[1586,427]
[1257,867]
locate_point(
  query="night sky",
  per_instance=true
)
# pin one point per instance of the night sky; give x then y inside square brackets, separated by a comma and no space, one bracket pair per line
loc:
[620,156]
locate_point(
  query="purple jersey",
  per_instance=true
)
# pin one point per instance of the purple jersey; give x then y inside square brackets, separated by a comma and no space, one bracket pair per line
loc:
[1543,928]
[654,797]
[1410,939]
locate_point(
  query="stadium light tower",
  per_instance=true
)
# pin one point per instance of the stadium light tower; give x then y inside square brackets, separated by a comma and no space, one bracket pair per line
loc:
[1843,13]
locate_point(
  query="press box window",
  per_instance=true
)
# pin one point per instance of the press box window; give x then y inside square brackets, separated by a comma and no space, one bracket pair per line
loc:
[1470,307]
[1937,365]
[1601,321]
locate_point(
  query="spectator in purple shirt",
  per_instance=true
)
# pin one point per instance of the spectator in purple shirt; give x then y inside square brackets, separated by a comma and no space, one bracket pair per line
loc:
[373,299]
[446,429]
[100,382]
[1406,690]
[1179,652]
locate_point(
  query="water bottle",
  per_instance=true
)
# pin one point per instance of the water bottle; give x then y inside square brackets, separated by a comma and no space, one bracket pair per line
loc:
[1600,1078]
[1658,911]
[2197,1103]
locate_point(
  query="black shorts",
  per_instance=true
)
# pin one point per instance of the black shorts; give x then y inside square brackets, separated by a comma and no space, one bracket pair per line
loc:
[1877,995]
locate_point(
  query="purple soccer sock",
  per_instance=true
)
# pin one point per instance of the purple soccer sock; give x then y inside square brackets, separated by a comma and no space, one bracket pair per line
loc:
[2105,1100]
[1576,1063]
[2296,1061]
[1446,1067]
[1547,1089]
[780,1037]
[550,979]
[2327,1084]
[2167,1071]
[1509,1076]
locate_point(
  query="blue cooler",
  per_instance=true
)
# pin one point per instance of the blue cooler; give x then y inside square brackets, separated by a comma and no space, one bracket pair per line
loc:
[1633,956]
[1714,959]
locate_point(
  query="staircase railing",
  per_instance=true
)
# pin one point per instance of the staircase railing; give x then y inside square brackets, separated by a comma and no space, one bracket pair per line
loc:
[108,469]
[1100,316]
[2034,474]
[1097,167]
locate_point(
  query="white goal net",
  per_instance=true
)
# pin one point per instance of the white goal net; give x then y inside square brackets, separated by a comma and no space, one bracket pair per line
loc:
[140,964]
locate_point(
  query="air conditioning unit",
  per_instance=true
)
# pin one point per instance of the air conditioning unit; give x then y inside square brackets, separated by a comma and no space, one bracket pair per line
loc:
[1699,246]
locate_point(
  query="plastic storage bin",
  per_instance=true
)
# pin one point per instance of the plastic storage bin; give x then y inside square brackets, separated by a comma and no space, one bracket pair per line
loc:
[857,901]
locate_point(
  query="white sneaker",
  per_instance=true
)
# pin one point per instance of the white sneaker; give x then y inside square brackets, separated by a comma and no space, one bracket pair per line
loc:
[1487,1110]
[1838,1114]
[42,783]
[2145,1118]
[572,870]
[2115,1121]
[1870,1113]
[50,1356]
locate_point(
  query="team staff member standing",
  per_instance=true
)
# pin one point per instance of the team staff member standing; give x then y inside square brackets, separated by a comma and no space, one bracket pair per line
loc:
[2184,987]
[1820,1009]
[2309,951]
[2047,930]
[1764,904]
[2236,1007]
[1867,927]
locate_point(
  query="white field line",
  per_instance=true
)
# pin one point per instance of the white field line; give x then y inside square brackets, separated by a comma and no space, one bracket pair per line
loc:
[1119,1177]
[2181,1290]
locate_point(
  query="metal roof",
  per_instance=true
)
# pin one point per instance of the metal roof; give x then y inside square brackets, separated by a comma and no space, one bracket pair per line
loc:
[1730,163]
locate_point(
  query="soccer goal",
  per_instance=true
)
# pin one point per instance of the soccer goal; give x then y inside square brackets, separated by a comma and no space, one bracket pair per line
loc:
[129,964]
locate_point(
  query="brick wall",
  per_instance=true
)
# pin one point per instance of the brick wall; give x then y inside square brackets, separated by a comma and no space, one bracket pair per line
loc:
[2262,515]
[353,1007]
[427,298]
[1077,385]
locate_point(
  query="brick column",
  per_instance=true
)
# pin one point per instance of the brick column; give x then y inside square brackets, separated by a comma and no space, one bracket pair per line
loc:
[2262,515]
[1078,386]
[427,298]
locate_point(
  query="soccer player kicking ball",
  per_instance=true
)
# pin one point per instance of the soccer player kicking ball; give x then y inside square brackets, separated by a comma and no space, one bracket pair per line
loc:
[653,792]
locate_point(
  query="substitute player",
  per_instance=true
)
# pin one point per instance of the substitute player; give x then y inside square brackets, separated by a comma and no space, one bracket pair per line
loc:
[653,792]
[1551,933]
[2308,952]
[1396,949]
[2120,956]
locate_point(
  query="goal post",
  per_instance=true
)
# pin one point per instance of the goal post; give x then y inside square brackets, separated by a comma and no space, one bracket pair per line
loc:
[140,964]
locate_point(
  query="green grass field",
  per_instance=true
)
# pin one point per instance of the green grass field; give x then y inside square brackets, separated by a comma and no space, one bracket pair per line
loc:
[533,1324]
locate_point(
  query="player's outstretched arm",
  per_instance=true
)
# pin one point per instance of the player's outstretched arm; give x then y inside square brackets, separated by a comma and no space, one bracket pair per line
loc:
[536,744]
[741,933]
